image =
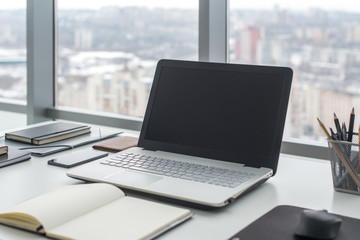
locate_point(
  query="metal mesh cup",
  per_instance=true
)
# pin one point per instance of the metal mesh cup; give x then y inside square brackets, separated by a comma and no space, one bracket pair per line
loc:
[345,165]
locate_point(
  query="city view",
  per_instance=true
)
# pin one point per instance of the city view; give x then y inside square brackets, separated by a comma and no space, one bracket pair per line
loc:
[322,47]
[112,54]
[13,54]
[107,56]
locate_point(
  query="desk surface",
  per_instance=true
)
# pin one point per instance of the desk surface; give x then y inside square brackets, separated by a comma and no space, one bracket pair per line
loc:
[299,181]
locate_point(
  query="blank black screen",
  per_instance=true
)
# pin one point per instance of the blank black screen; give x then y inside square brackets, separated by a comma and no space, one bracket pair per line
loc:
[226,115]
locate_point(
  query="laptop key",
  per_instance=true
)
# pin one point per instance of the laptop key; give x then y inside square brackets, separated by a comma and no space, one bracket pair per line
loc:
[187,177]
[177,169]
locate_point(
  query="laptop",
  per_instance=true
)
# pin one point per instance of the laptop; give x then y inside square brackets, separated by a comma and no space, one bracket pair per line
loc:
[211,132]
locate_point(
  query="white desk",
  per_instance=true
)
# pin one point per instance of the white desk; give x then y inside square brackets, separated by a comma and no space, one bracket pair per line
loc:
[299,181]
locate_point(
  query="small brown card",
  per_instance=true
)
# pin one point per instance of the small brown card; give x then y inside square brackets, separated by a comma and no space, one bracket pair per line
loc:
[117,144]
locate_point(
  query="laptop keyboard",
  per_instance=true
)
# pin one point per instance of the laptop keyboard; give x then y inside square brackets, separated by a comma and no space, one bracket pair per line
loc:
[178,169]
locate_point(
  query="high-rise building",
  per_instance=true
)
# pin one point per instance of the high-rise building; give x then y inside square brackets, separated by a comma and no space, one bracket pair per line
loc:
[246,44]
[83,39]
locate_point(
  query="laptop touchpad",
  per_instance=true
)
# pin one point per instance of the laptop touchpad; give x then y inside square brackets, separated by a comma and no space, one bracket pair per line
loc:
[133,178]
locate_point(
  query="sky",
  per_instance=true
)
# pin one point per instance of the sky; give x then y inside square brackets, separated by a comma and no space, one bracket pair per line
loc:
[347,5]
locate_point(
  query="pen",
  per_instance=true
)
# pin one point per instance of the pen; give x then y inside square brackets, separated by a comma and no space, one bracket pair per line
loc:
[337,125]
[343,132]
[351,125]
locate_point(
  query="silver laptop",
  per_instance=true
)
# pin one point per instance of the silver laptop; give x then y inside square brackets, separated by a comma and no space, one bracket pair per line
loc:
[211,132]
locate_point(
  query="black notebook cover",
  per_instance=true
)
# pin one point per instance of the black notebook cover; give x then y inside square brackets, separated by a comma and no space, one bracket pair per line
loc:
[45,131]
[13,156]
[281,222]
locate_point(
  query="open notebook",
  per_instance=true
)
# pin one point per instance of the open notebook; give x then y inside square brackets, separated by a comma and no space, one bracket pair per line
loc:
[211,132]
[93,211]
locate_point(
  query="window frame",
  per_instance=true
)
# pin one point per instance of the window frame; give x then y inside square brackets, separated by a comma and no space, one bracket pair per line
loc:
[41,70]
[41,66]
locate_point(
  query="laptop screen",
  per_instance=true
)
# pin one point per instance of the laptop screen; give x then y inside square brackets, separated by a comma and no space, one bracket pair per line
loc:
[227,112]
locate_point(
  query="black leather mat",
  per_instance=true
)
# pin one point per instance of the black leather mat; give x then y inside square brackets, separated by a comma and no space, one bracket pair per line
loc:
[281,222]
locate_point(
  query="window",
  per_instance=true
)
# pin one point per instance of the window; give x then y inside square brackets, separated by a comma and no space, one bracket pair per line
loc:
[102,70]
[13,50]
[12,64]
[320,40]
[108,50]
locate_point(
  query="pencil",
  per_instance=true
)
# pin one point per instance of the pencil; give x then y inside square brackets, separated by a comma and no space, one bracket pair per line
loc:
[324,129]
[337,125]
[351,125]
[340,155]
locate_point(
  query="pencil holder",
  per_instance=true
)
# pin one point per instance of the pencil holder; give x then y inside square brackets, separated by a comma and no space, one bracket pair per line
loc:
[345,165]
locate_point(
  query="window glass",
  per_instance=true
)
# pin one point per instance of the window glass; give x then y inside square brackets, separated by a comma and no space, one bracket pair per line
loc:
[319,40]
[13,50]
[10,120]
[108,50]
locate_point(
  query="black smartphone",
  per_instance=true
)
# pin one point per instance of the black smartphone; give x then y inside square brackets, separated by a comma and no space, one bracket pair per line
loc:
[77,158]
